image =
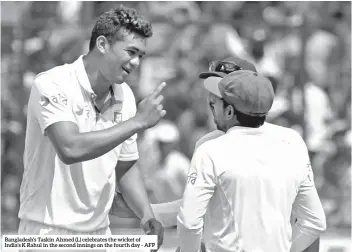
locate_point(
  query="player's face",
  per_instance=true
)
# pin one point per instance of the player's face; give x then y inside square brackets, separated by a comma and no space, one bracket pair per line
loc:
[217,109]
[122,58]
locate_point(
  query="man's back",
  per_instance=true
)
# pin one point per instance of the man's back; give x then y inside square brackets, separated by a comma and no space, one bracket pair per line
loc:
[257,172]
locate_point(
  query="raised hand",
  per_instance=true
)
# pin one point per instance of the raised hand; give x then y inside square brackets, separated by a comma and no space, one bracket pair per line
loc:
[150,109]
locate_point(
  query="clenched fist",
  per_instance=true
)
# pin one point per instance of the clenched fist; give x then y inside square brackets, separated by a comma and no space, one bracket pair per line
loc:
[150,109]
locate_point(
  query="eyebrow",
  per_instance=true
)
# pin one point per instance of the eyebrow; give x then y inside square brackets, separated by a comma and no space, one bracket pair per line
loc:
[136,49]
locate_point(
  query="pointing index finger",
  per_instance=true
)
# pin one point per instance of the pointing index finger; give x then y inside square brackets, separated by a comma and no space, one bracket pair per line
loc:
[158,89]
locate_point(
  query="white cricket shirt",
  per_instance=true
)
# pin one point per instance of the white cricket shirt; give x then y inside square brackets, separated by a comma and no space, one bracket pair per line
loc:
[242,188]
[79,196]
[211,135]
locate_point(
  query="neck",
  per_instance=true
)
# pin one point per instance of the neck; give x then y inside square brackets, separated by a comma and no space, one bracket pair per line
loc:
[99,84]
[232,124]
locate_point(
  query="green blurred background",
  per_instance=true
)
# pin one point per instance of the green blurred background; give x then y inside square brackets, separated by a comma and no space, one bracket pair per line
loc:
[303,47]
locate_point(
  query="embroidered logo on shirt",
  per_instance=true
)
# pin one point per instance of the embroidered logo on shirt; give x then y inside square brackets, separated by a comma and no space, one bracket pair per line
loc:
[54,99]
[44,101]
[78,109]
[192,178]
[63,99]
[82,110]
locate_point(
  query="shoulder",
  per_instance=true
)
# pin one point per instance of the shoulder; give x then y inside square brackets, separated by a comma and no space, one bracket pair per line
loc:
[210,146]
[289,135]
[211,135]
[58,76]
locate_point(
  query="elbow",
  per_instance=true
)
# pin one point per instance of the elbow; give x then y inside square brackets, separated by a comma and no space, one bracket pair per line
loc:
[67,156]
[320,222]
[321,225]
[317,227]
[188,223]
[67,160]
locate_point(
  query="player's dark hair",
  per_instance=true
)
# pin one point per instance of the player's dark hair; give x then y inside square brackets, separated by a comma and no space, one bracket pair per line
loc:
[109,24]
[246,120]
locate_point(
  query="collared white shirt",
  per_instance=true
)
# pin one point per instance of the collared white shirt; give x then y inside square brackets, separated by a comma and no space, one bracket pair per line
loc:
[242,188]
[79,196]
[211,135]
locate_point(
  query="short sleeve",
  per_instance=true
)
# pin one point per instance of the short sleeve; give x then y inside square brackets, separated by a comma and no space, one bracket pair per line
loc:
[129,149]
[49,103]
[200,187]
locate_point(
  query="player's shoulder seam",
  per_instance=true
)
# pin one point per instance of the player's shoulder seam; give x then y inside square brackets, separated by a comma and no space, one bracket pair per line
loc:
[294,137]
[51,75]
[284,130]
[210,145]
[207,137]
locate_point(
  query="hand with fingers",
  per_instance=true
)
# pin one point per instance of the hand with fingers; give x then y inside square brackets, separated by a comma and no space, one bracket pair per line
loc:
[154,227]
[150,109]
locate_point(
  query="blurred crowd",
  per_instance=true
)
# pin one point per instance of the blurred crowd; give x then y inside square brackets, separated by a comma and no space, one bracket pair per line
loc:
[303,47]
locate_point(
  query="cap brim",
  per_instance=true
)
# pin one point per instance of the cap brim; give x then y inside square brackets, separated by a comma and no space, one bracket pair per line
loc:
[205,75]
[212,85]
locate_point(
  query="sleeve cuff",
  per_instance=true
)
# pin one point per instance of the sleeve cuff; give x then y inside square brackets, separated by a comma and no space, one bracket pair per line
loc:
[189,239]
[129,157]
[47,124]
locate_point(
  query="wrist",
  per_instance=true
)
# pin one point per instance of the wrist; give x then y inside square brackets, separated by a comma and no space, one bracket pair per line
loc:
[146,217]
[139,124]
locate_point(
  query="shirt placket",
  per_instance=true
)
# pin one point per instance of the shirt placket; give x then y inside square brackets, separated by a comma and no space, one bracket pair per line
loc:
[96,109]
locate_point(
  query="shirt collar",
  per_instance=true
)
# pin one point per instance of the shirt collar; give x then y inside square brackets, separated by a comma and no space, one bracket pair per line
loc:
[247,130]
[82,75]
[117,91]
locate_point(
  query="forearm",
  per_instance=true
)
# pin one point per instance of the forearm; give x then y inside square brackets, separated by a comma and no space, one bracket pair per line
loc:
[309,214]
[314,247]
[133,191]
[167,212]
[189,239]
[89,145]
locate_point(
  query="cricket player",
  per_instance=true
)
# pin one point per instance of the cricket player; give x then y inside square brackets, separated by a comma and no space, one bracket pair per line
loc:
[81,135]
[244,185]
[222,68]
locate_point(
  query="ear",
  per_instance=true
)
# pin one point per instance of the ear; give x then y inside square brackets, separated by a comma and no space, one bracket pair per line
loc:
[102,44]
[229,112]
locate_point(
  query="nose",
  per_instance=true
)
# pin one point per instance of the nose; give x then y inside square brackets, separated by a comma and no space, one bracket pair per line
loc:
[135,62]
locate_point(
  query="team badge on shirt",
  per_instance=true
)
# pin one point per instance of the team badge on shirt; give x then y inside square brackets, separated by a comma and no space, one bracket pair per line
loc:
[117,117]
